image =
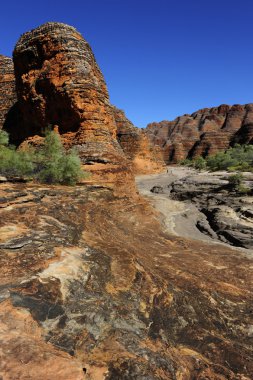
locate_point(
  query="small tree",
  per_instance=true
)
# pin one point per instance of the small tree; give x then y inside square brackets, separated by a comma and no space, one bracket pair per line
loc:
[56,165]
[50,164]
[13,162]
[186,162]
[4,138]
[235,181]
[71,168]
[199,163]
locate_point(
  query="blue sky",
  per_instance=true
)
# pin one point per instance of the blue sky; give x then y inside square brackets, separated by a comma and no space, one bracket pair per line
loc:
[160,58]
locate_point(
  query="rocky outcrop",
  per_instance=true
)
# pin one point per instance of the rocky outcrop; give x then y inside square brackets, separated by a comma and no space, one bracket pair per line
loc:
[204,132]
[59,84]
[93,288]
[228,213]
[8,99]
[146,157]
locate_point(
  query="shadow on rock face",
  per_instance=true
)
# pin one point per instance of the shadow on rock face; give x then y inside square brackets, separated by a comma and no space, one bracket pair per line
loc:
[59,83]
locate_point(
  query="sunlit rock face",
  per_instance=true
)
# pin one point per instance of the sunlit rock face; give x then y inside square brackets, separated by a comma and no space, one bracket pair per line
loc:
[60,84]
[144,155]
[7,92]
[204,132]
[93,288]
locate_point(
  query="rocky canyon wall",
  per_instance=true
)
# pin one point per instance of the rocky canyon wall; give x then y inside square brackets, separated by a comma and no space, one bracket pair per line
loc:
[8,96]
[145,156]
[58,84]
[204,132]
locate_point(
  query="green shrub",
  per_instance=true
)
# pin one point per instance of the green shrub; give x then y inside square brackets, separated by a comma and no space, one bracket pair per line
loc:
[71,168]
[56,165]
[235,181]
[243,189]
[186,162]
[238,158]
[4,138]
[14,163]
[199,163]
[50,164]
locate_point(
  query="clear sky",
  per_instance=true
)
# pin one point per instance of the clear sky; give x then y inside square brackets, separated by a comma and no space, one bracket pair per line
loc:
[160,58]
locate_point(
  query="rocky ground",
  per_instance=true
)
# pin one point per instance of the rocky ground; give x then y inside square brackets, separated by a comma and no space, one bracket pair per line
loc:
[200,205]
[92,287]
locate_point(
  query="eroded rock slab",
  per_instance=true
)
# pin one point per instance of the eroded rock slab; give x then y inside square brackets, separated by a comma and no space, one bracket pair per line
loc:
[102,287]
[229,214]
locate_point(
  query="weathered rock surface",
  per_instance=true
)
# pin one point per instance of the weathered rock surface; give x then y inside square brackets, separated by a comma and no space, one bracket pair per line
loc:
[60,84]
[204,132]
[8,97]
[91,286]
[91,281]
[229,214]
[146,157]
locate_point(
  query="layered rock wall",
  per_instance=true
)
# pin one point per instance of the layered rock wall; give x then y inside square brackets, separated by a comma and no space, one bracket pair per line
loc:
[90,281]
[136,145]
[7,90]
[204,132]
[60,84]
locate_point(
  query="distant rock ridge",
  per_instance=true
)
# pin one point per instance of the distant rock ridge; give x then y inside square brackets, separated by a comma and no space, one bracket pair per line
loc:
[204,132]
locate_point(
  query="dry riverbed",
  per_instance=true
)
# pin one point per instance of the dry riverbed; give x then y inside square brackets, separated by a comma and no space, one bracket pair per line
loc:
[194,205]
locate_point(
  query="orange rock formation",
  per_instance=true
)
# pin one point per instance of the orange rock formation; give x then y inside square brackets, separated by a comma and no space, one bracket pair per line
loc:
[7,92]
[146,157]
[92,281]
[204,132]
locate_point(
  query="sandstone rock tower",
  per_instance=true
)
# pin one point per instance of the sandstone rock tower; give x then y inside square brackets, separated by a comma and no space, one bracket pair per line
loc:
[7,89]
[59,83]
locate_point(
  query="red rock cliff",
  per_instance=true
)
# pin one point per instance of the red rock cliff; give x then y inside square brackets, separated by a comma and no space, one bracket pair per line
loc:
[59,83]
[7,91]
[146,157]
[204,132]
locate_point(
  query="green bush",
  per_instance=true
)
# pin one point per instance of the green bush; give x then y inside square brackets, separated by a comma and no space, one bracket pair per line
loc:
[235,181]
[14,163]
[243,189]
[4,138]
[186,162]
[56,165]
[50,164]
[199,163]
[238,158]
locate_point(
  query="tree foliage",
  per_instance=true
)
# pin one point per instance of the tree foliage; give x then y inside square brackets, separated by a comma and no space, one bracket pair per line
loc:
[50,164]
[238,158]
